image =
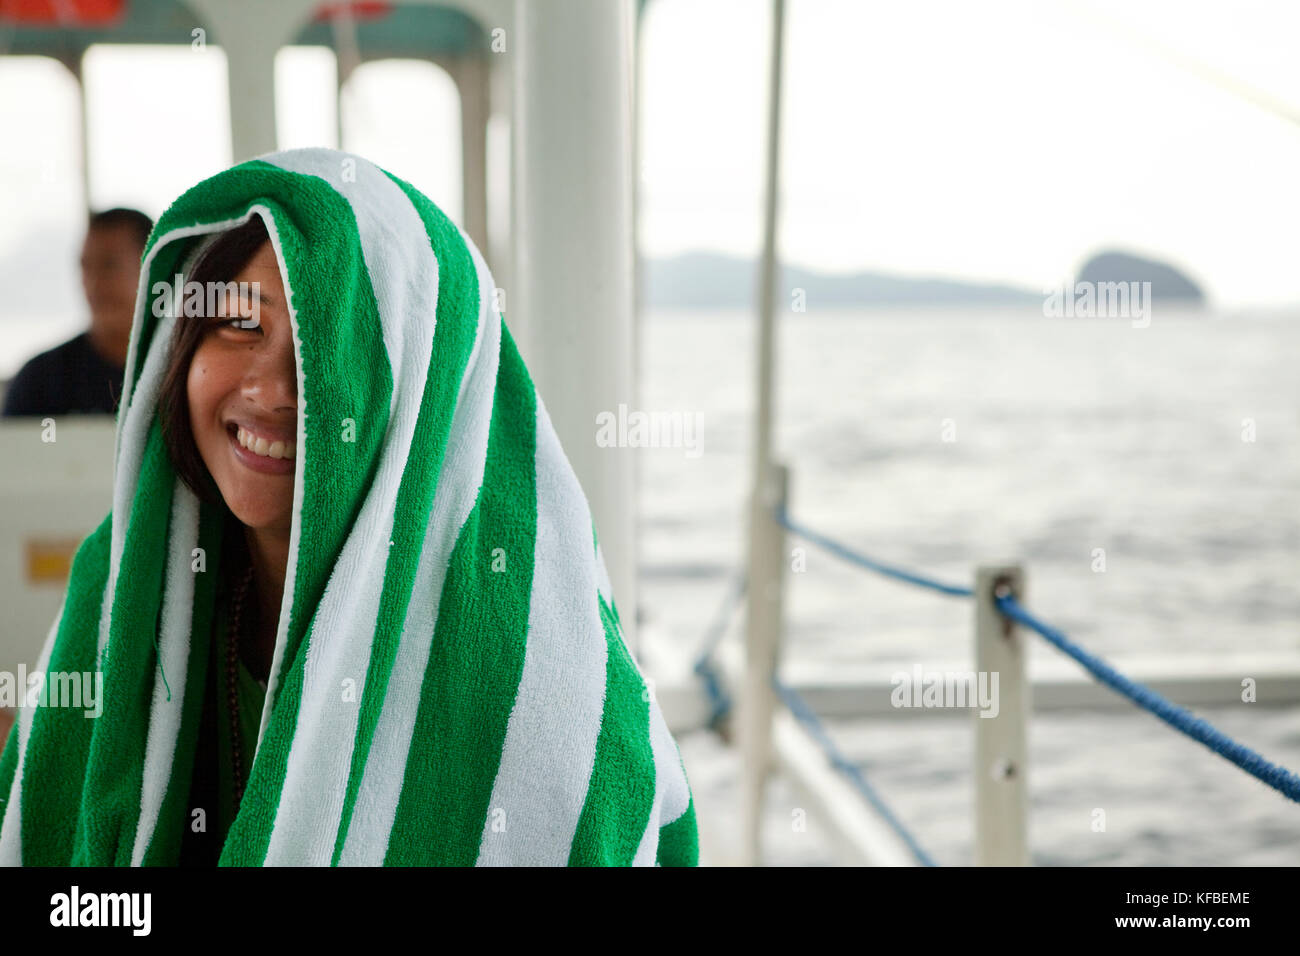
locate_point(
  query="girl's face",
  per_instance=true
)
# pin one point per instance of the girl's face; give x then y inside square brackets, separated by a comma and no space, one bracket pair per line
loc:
[243,396]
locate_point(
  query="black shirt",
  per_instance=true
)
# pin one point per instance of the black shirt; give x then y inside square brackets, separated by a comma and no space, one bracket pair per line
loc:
[69,379]
[210,781]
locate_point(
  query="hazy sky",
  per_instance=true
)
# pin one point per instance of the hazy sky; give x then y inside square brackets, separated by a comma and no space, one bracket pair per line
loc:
[999,141]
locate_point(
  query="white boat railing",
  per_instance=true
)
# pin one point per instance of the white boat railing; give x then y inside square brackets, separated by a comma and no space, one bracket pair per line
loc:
[864,830]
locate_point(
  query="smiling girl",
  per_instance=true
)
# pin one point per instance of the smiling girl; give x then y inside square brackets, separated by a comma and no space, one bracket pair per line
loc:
[350,604]
[230,412]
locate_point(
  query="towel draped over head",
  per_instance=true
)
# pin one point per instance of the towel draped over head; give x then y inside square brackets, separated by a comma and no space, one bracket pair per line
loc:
[443,566]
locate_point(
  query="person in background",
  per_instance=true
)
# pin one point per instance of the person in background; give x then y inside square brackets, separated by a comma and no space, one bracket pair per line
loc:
[84,374]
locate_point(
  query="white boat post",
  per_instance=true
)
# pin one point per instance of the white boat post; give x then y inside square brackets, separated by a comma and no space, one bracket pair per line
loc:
[251,32]
[1001,742]
[770,485]
[572,261]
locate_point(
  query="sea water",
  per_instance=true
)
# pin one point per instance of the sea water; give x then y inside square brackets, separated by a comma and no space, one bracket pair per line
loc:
[1147,480]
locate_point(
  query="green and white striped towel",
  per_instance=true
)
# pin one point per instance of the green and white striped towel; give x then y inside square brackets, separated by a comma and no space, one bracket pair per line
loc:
[444,563]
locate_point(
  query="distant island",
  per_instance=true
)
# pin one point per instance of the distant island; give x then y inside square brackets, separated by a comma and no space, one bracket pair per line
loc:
[1167,283]
[712,281]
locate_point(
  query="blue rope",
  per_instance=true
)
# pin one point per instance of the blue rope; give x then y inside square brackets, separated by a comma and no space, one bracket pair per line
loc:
[805,714]
[869,563]
[718,698]
[1177,717]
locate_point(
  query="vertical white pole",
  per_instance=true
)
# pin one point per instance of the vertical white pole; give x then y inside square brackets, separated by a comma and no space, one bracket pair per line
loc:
[573,249]
[765,611]
[347,58]
[250,32]
[634,179]
[1001,747]
[471,76]
[501,189]
[75,63]
[766,537]
[251,64]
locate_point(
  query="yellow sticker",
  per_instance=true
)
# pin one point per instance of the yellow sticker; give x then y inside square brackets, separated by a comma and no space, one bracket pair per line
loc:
[49,560]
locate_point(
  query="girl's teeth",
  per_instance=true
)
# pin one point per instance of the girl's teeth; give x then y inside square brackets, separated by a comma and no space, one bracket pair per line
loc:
[260,446]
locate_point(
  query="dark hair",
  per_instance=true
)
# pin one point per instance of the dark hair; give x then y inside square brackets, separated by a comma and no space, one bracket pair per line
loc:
[220,263]
[134,219]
